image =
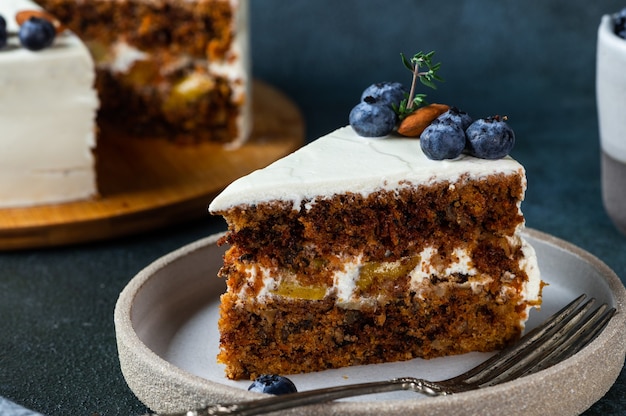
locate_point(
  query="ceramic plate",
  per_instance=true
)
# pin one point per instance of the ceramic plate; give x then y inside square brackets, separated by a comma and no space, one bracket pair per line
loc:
[166,327]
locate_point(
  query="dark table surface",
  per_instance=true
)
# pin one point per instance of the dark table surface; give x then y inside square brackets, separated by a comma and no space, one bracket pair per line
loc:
[532,60]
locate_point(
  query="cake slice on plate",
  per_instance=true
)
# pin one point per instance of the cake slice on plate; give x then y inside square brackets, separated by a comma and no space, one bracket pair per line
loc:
[356,250]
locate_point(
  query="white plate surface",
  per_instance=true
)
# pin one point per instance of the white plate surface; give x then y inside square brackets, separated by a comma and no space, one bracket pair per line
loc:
[166,324]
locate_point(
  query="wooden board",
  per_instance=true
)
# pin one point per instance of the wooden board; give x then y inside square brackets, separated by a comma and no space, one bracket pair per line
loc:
[146,184]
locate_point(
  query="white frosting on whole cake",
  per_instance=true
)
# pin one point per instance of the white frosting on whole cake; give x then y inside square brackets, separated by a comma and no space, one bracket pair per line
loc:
[343,161]
[47,116]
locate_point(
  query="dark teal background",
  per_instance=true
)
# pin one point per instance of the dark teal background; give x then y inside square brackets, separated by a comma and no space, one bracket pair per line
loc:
[531,60]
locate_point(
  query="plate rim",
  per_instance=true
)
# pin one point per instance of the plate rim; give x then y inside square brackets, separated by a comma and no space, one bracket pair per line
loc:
[142,367]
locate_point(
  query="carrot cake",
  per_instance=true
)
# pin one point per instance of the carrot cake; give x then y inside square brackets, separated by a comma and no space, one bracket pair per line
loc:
[356,250]
[169,69]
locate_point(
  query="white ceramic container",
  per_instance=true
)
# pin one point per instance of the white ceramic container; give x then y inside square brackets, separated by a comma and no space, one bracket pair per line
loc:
[611,102]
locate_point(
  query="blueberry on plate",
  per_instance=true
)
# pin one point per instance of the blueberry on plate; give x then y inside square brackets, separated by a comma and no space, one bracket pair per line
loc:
[37,33]
[272,384]
[456,116]
[370,119]
[3,32]
[490,138]
[442,140]
[385,93]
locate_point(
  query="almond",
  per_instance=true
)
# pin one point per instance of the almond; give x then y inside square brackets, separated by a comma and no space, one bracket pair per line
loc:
[415,123]
[24,15]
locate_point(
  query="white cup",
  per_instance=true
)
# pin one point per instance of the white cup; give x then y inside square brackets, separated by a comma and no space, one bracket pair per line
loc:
[611,102]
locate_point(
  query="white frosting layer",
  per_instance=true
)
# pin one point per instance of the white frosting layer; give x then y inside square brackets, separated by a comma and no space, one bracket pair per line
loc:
[342,162]
[47,113]
[532,288]
[345,283]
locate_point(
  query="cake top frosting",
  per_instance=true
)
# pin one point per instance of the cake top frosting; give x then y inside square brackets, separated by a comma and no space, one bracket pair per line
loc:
[343,161]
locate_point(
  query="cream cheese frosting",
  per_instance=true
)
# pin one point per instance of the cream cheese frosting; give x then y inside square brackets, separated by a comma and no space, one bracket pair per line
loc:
[345,282]
[343,161]
[47,112]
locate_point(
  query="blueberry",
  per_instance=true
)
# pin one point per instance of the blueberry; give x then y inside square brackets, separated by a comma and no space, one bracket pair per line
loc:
[273,384]
[385,93]
[441,140]
[36,33]
[619,23]
[458,117]
[3,32]
[370,119]
[490,138]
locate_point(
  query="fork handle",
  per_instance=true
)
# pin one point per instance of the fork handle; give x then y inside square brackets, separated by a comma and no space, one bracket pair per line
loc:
[288,401]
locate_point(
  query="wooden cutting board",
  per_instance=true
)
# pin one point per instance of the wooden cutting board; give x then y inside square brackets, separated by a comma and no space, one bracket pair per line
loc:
[146,184]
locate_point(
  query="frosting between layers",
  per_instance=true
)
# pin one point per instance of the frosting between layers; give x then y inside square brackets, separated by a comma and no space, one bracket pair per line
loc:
[346,282]
[47,112]
[342,162]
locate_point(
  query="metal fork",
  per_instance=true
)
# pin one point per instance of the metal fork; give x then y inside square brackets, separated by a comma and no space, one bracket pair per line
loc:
[560,337]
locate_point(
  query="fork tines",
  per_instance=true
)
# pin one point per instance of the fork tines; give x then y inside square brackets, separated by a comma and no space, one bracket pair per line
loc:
[563,335]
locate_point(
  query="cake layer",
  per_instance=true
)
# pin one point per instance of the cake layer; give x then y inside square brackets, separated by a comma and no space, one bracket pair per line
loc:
[47,112]
[168,68]
[285,336]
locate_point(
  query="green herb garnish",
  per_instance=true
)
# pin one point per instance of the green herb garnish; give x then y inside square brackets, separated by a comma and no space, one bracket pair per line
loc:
[427,76]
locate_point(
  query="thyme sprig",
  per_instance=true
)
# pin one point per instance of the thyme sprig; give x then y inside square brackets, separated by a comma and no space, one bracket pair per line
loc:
[424,70]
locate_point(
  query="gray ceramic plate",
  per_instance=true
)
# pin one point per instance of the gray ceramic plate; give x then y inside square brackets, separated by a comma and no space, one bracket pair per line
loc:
[166,327]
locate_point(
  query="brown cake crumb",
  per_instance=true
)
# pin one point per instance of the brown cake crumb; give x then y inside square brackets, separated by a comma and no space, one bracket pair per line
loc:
[179,39]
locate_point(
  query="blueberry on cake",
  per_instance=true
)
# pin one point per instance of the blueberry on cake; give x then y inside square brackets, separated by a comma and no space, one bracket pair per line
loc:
[357,250]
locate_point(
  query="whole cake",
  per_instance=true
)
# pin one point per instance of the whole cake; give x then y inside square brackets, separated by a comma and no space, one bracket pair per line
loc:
[169,69]
[357,250]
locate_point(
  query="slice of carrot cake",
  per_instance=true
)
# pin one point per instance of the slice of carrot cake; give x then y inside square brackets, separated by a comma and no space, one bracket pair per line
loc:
[356,250]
